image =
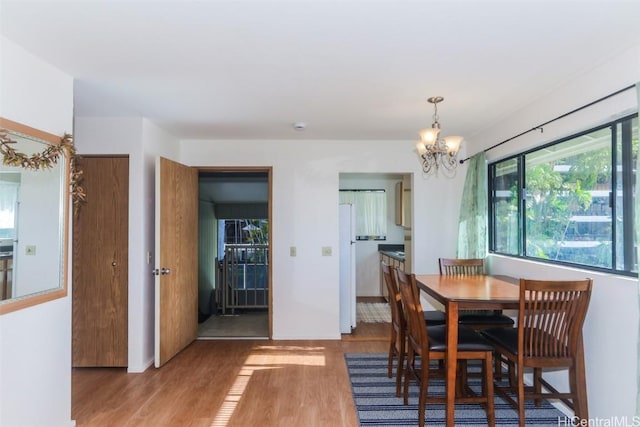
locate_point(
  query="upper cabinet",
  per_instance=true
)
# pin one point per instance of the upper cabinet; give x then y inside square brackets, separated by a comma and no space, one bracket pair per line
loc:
[399,203]
[403,202]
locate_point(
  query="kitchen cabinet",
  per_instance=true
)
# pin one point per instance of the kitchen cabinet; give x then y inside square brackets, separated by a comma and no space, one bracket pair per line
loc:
[403,202]
[6,276]
[399,203]
[393,259]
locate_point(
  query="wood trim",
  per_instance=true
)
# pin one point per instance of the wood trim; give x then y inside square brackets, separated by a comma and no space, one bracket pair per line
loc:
[33,299]
[28,130]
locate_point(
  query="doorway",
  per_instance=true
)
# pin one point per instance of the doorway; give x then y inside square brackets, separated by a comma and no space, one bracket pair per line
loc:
[234,294]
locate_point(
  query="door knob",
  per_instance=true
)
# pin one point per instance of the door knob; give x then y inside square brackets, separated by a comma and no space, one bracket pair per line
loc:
[165,271]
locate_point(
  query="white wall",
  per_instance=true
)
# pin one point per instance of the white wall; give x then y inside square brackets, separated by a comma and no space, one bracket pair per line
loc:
[611,328]
[141,140]
[35,343]
[39,192]
[305,215]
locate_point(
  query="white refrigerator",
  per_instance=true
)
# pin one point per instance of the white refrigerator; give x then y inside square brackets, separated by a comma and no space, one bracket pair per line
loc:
[347,268]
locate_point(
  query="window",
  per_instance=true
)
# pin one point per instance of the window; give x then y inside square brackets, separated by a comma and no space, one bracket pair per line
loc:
[371,212]
[248,231]
[244,258]
[569,202]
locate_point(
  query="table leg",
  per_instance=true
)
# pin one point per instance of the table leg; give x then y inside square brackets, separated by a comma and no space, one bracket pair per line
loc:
[452,359]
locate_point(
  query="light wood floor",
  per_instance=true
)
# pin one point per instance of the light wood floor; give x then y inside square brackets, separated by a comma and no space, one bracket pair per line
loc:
[231,383]
[247,325]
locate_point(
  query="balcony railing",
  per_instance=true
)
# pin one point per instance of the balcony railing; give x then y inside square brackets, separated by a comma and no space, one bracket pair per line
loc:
[244,278]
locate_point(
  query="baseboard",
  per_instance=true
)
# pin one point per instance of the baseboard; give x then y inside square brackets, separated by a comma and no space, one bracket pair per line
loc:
[307,337]
[231,338]
[140,368]
[560,406]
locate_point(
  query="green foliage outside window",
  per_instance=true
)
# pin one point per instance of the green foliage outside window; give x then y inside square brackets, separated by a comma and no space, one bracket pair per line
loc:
[555,199]
[570,199]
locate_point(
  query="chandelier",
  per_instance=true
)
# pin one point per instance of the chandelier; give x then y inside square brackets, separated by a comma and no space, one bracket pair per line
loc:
[435,152]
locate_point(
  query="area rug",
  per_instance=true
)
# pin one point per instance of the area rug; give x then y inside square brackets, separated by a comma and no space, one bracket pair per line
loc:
[373,312]
[377,405]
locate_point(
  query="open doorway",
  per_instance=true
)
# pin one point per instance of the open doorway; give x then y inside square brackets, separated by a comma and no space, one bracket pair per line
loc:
[234,261]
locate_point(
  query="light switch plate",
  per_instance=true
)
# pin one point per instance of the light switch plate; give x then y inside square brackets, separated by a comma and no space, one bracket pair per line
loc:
[30,250]
[326,251]
[292,251]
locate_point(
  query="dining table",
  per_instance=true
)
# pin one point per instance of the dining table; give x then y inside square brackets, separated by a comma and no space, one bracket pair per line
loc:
[465,292]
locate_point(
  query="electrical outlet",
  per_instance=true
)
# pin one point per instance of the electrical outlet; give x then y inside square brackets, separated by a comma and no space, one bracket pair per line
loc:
[292,251]
[326,251]
[30,250]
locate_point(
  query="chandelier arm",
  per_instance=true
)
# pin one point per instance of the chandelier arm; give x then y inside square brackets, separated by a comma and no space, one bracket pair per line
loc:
[449,173]
[429,163]
[448,161]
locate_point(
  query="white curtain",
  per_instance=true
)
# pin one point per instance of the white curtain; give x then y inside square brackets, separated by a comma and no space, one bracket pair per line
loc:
[371,211]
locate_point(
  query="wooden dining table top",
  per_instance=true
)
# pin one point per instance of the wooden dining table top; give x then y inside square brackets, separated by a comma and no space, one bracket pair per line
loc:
[491,292]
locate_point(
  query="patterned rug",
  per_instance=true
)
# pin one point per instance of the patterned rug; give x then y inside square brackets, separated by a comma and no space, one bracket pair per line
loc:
[373,312]
[377,405]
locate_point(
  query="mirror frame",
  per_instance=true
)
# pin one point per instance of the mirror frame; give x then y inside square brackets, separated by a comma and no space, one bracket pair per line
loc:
[59,292]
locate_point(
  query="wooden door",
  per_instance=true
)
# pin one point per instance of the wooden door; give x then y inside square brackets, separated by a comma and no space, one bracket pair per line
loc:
[100,264]
[176,258]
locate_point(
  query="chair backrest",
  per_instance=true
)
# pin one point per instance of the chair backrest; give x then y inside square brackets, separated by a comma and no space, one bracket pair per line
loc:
[416,326]
[466,266]
[551,316]
[397,315]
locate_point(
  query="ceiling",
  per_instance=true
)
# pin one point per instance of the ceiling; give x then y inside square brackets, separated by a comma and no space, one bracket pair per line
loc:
[233,187]
[349,69]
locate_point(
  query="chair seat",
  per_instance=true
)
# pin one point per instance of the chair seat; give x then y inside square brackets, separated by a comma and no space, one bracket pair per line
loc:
[485,319]
[504,337]
[468,339]
[435,317]
[507,338]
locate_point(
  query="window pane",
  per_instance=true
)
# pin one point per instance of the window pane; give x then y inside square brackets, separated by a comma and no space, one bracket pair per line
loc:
[245,231]
[568,217]
[505,207]
[626,157]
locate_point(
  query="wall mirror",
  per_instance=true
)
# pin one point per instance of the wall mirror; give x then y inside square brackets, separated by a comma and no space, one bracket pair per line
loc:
[34,198]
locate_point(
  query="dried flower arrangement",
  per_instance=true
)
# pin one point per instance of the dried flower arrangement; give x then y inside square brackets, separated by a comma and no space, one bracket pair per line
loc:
[46,160]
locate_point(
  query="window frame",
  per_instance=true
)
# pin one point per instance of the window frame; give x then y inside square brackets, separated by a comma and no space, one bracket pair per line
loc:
[620,126]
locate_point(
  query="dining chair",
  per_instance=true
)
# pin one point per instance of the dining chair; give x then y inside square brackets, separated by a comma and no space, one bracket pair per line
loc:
[397,342]
[549,335]
[430,343]
[476,319]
